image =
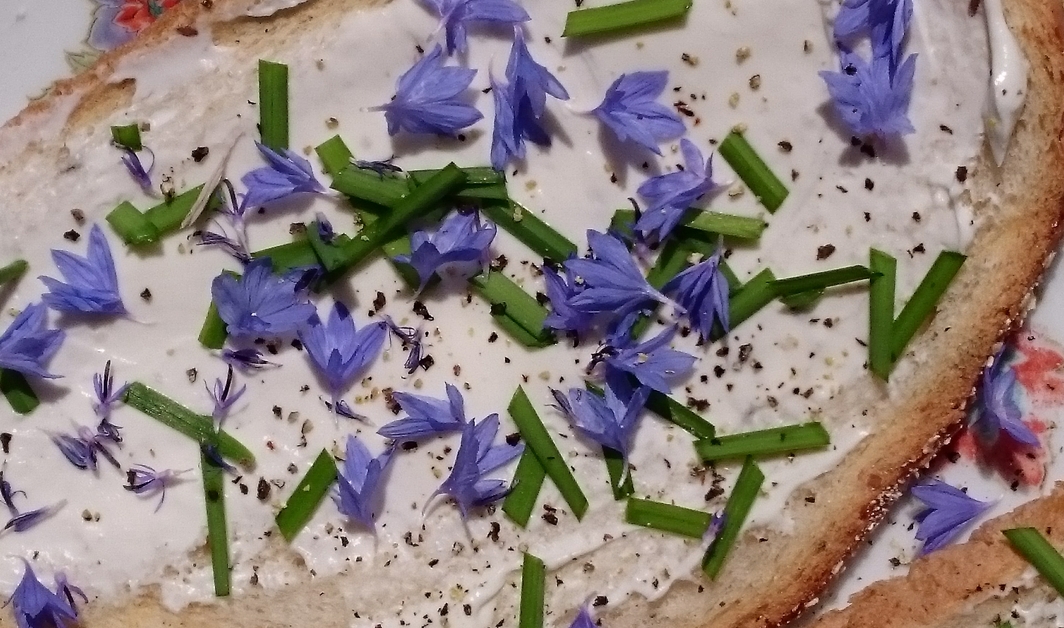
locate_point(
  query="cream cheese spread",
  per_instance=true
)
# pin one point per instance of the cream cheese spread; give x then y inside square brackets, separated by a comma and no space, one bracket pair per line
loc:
[742,62]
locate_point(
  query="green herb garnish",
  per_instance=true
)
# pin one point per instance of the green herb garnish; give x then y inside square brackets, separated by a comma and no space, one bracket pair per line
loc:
[623,17]
[524,490]
[615,469]
[308,495]
[217,534]
[334,155]
[671,261]
[16,389]
[127,136]
[533,580]
[369,186]
[748,300]
[273,104]
[746,163]
[675,412]
[531,230]
[922,304]
[730,225]
[667,517]
[777,440]
[1037,550]
[509,301]
[13,271]
[881,312]
[168,216]
[738,507]
[214,331]
[802,300]
[132,226]
[820,280]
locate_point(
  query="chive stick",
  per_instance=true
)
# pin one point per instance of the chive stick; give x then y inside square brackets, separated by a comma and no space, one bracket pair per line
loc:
[615,468]
[368,186]
[476,176]
[527,227]
[284,257]
[623,223]
[922,304]
[13,271]
[508,300]
[524,490]
[1037,550]
[308,495]
[214,331]
[533,582]
[132,226]
[683,417]
[273,104]
[777,440]
[16,389]
[667,517]
[748,300]
[127,136]
[167,216]
[820,280]
[741,227]
[539,441]
[623,17]
[197,427]
[746,488]
[881,312]
[757,176]
[217,533]
[334,155]
[802,300]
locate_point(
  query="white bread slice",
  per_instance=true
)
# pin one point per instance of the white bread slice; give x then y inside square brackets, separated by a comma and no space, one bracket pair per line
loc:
[771,577]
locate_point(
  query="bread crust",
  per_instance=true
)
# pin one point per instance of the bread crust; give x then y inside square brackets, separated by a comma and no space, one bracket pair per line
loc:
[766,582]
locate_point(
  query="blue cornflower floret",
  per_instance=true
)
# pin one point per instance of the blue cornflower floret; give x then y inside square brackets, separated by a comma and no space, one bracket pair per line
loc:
[653,362]
[702,290]
[64,589]
[339,351]
[81,449]
[631,111]
[27,344]
[612,281]
[224,395]
[284,175]
[107,396]
[92,283]
[530,79]
[476,457]
[997,407]
[560,291]
[36,607]
[136,169]
[884,21]
[427,98]
[24,521]
[358,484]
[871,98]
[456,15]
[144,480]
[609,421]
[669,195]
[426,416]
[246,359]
[260,304]
[948,511]
[412,342]
[460,238]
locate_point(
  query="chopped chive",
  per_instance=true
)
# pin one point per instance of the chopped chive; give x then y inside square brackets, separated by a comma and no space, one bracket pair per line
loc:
[777,440]
[667,517]
[217,533]
[334,155]
[623,17]
[214,331]
[369,186]
[1037,550]
[131,225]
[820,280]
[527,482]
[329,255]
[284,257]
[735,511]
[922,304]
[127,135]
[197,427]
[539,441]
[308,495]
[533,580]
[16,389]
[509,301]
[741,227]
[881,312]
[273,104]
[683,417]
[615,469]
[527,227]
[746,163]
[622,223]
[475,176]
[13,271]
[747,300]
[401,246]
[168,215]
[802,300]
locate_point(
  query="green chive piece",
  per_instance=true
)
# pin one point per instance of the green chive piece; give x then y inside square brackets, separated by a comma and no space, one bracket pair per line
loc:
[802,301]
[334,155]
[530,229]
[1037,550]
[131,225]
[820,280]
[741,227]
[623,223]
[308,495]
[16,389]
[217,533]
[273,104]
[671,261]
[777,440]
[509,301]
[683,417]
[283,257]
[476,176]
[533,581]
[214,331]
[197,427]
[368,186]
[623,17]
[329,255]
[539,441]
[128,136]
[735,512]
[667,517]
[922,304]
[167,216]
[746,163]
[615,469]
[13,271]
[527,482]
[748,300]
[881,312]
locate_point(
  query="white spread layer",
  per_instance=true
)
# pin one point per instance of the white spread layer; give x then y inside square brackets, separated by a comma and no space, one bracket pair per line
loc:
[107,540]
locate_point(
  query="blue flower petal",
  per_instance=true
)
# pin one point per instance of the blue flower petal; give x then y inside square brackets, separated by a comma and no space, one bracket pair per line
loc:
[631,111]
[91,285]
[426,98]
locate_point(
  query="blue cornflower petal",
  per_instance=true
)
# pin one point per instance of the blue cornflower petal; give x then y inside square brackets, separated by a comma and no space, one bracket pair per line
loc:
[91,282]
[997,407]
[259,303]
[64,589]
[630,109]
[79,452]
[339,351]
[358,485]
[477,456]
[224,395]
[583,618]
[284,175]
[868,98]
[30,518]
[669,195]
[885,21]
[27,344]
[703,291]
[107,395]
[613,282]
[426,98]
[560,291]
[506,142]
[136,168]
[426,416]
[652,362]
[460,238]
[247,359]
[35,606]
[532,79]
[609,420]
[455,15]
[948,511]
[144,480]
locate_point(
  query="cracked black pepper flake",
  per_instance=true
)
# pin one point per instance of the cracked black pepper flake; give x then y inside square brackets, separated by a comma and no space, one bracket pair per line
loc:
[600,600]
[785,146]
[200,153]
[422,311]
[146,295]
[297,344]
[262,490]
[379,301]
[493,337]
[550,518]
[494,533]
[718,370]
[869,184]
[825,251]
[916,216]
[513,439]
[5,442]
[499,263]
[192,375]
[78,215]
[72,235]
[498,309]
[426,362]
[962,173]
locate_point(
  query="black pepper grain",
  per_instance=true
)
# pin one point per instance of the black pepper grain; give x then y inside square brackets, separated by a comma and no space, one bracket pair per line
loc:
[5,442]
[200,153]
[72,235]
[262,490]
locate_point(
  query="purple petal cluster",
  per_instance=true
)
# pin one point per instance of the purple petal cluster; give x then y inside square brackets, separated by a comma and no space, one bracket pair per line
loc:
[107,396]
[653,363]
[82,448]
[632,112]
[358,484]
[35,606]
[382,167]
[144,480]
[461,238]
[284,175]
[477,456]
[338,350]
[948,511]
[7,494]
[560,291]
[91,282]
[27,344]
[702,290]
[233,211]
[64,589]
[245,359]
[224,395]
[885,22]
[671,194]
[612,282]
[456,15]
[26,520]
[426,416]
[136,168]
[997,406]
[871,99]
[608,420]
[428,98]
[260,304]
[412,342]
